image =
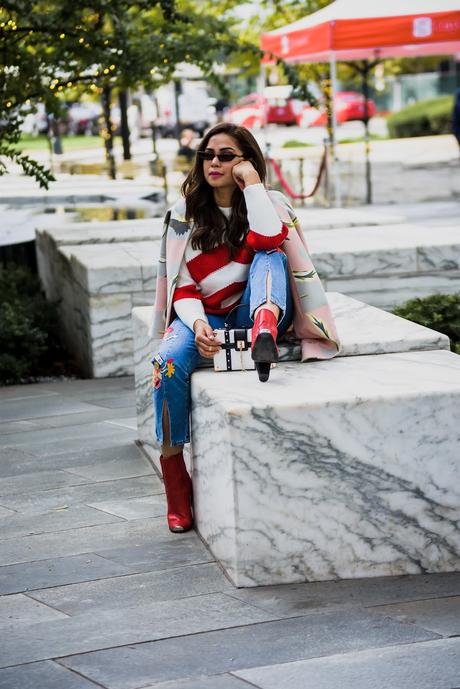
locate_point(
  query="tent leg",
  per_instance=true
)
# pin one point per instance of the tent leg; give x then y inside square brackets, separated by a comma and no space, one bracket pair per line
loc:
[365,75]
[334,156]
[261,82]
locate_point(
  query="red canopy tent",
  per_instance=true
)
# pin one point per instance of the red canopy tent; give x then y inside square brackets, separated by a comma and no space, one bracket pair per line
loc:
[361,29]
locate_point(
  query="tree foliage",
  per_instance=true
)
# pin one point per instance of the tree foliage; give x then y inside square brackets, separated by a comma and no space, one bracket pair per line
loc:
[50,47]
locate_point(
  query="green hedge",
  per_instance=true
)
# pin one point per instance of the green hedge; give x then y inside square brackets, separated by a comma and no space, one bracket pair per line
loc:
[440,312]
[423,119]
[30,346]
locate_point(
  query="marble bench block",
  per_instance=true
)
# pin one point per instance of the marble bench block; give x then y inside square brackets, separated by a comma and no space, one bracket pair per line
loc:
[337,218]
[362,329]
[381,265]
[340,469]
[97,287]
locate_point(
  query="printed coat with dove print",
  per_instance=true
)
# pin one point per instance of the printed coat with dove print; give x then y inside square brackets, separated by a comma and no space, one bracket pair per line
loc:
[313,323]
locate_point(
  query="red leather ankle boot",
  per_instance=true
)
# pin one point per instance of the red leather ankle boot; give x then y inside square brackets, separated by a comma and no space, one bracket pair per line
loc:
[178,487]
[264,349]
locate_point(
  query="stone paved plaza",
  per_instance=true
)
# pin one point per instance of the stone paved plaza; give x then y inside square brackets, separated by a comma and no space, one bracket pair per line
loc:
[96,592]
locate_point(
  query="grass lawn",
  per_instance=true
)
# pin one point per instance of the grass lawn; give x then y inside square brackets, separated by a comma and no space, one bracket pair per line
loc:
[69,143]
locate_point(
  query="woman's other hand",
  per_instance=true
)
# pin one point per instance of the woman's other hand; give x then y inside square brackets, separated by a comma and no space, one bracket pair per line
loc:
[244,174]
[205,340]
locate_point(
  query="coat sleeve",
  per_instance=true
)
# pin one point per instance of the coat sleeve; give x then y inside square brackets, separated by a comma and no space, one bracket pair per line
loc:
[313,320]
[266,230]
[158,322]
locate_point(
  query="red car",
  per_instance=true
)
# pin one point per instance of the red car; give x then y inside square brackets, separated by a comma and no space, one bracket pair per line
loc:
[349,105]
[275,106]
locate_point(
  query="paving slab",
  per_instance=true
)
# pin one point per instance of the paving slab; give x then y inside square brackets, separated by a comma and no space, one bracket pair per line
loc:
[135,590]
[117,450]
[107,537]
[81,418]
[214,682]
[43,499]
[161,620]
[296,599]
[160,555]
[12,455]
[32,480]
[134,508]
[117,468]
[16,427]
[57,440]
[25,392]
[13,410]
[60,518]
[116,401]
[57,571]
[428,665]
[45,675]
[82,389]
[441,616]
[128,422]
[147,609]
[19,609]
[251,646]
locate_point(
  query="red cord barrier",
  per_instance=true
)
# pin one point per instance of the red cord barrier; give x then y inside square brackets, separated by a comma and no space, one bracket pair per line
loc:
[284,183]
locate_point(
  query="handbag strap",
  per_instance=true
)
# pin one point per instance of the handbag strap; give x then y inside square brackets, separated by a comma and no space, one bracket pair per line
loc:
[227,325]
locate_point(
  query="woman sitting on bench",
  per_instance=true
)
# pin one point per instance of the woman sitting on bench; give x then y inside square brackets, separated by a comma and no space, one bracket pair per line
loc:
[227,242]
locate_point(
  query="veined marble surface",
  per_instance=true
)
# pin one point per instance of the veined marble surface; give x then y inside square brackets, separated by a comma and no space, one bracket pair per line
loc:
[119,267]
[340,469]
[388,291]
[333,218]
[385,250]
[144,229]
[381,265]
[363,329]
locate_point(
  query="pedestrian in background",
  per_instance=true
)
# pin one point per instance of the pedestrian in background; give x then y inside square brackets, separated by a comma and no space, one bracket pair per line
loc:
[456,117]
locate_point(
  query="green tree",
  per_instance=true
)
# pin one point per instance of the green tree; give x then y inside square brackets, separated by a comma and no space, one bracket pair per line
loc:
[52,47]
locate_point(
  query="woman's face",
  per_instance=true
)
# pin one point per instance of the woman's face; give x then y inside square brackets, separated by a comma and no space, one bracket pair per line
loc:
[218,174]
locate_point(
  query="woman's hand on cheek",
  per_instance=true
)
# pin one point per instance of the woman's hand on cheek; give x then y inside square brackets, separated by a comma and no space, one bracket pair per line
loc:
[244,174]
[205,340]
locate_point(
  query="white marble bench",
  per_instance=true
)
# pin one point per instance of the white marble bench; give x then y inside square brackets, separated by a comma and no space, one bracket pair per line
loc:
[362,329]
[341,469]
[99,272]
[338,469]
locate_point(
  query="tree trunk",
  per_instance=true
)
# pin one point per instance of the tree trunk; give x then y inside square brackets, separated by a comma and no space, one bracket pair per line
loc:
[123,103]
[177,90]
[108,133]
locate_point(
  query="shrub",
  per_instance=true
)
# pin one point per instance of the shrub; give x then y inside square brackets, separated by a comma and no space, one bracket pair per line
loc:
[440,312]
[29,338]
[423,119]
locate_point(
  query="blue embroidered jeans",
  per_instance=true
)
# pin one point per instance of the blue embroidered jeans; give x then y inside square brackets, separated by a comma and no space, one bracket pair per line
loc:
[178,355]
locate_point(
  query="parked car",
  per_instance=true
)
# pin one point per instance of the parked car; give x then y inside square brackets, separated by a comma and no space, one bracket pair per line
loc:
[273,107]
[248,112]
[349,105]
[277,107]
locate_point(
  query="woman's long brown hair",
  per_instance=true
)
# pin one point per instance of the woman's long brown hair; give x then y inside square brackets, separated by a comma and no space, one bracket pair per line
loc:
[211,227]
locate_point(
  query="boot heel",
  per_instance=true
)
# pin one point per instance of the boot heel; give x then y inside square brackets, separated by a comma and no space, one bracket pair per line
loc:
[263,371]
[265,349]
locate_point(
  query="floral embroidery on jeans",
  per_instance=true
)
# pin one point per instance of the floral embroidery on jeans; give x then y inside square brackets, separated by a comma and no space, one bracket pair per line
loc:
[169,334]
[170,370]
[156,375]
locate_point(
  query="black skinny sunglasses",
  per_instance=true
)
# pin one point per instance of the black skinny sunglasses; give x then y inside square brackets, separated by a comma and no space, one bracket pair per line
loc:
[222,157]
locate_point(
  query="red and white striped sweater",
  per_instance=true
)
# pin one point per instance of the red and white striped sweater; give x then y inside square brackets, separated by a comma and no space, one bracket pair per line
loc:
[211,282]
